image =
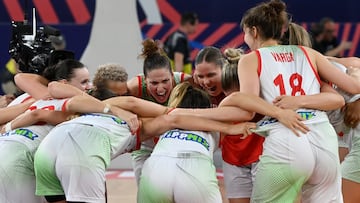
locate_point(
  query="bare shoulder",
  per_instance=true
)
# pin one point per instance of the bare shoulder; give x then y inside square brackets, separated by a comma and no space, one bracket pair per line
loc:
[133,86]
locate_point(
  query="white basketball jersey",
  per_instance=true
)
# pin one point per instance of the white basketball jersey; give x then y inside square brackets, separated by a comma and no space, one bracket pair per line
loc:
[34,134]
[286,70]
[20,99]
[174,141]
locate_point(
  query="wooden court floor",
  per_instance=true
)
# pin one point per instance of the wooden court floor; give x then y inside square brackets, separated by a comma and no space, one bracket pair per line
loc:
[121,186]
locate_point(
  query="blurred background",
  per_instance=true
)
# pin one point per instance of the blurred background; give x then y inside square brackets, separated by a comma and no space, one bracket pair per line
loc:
[111,30]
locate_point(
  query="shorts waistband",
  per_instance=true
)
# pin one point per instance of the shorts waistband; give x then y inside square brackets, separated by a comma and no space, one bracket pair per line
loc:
[184,155]
[22,132]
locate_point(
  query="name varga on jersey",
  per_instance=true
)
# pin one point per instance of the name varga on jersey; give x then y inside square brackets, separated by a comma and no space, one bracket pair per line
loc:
[283,57]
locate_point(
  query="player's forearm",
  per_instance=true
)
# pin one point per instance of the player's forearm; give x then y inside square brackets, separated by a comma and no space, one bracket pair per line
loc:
[33,84]
[161,124]
[86,104]
[11,112]
[39,115]
[61,90]
[197,123]
[324,101]
[138,106]
[251,103]
[222,113]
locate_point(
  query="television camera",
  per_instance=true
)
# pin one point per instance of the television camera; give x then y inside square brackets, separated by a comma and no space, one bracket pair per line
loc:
[32,49]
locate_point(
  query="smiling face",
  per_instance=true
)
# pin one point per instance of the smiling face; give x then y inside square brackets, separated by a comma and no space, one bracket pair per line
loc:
[209,77]
[159,84]
[81,79]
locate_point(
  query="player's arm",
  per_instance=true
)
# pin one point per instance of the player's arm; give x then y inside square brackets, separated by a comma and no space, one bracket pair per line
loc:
[33,84]
[328,99]
[221,113]
[93,105]
[11,112]
[346,61]
[140,107]
[329,72]
[62,90]
[163,123]
[39,115]
[253,103]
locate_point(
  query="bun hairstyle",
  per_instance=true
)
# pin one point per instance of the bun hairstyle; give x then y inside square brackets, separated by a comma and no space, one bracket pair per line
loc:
[229,75]
[233,55]
[150,48]
[154,56]
[269,18]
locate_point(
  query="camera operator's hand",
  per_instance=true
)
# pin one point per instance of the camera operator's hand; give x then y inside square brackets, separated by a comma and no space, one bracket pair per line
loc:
[6,99]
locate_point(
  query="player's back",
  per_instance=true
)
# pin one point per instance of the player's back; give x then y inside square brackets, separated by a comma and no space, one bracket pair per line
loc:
[286,70]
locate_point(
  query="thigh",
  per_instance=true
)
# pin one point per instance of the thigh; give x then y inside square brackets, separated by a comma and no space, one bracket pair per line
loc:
[17,178]
[196,180]
[47,182]
[157,180]
[81,164]
[286,163]
[138,159]
[350,166]
[84,181]
[324,184]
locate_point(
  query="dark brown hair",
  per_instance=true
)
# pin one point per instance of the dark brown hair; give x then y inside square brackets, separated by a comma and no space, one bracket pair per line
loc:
[268,17]
[154,56]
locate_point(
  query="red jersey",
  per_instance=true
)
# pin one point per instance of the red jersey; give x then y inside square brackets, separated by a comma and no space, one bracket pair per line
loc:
[240,152]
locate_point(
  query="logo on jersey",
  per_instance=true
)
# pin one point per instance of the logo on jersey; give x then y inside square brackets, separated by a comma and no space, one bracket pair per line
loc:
[267,121]
[23,132]
[307,115]
[187,136]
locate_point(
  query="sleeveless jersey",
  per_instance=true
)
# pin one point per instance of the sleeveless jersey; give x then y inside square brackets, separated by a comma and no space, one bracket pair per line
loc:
[286,70]
[117,131]
[32,135]
[20,99]
[178,78]
[174,141]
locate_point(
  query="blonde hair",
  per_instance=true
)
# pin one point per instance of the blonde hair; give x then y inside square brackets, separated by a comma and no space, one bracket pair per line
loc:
[110,71]
[184,95]
[298,35]
[229,75]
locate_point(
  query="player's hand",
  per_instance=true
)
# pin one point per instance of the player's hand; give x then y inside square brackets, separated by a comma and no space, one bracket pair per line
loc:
[352,114]
[130,118]
[286,102]
[292,120]
[242,128]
